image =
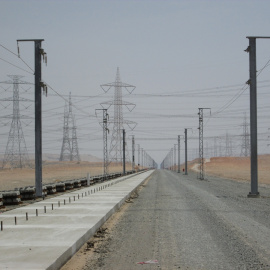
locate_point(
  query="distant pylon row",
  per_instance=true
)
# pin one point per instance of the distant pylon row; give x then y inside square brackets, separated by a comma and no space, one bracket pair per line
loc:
[70,149]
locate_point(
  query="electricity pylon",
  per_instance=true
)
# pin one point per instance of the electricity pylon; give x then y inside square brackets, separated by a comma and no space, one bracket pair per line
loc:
[245,146]
[66,147]
[228,149]
[70,149]
[116,147]
[16,154]
[74,142]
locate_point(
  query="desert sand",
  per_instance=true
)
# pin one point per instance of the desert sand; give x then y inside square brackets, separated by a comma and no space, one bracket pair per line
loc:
[52,172]
[235,168]
[238,168]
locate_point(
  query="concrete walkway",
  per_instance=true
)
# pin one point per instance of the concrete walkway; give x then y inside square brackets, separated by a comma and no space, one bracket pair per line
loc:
[48,240]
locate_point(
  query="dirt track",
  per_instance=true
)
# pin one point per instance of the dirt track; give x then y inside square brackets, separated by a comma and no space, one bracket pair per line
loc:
[184,223]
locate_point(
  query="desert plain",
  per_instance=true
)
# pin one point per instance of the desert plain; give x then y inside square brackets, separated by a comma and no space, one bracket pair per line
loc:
[235,168]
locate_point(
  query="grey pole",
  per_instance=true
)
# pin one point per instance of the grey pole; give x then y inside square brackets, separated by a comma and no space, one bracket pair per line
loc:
[38,120]
[133,153]
[178,154]
[253,115]
[174,149]
[124,152]
[172,159]
[186,151]
[142,161]
[139,156]
[38,114]
[253,118]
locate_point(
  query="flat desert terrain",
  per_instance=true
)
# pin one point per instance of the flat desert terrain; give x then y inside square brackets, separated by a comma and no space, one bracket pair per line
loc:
[238,168]
[52,172]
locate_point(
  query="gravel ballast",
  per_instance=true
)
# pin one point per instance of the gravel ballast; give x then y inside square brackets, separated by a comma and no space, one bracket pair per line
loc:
[187,223]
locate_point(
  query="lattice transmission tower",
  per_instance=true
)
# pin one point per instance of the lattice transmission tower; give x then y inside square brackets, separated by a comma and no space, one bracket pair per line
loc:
[16,154]
[228,146]
[116,147]
[245,146]
[70,149]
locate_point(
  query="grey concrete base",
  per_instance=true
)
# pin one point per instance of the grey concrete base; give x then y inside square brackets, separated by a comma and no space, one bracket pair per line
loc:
[251,195]
[50,239]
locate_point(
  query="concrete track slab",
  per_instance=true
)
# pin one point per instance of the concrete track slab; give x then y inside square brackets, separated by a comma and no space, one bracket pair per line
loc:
[48,240]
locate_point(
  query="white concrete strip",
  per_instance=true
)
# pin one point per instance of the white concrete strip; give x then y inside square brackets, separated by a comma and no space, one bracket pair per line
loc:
[48,240]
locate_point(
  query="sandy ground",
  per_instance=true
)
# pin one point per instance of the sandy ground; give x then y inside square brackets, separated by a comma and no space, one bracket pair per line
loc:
[53,171]
[238,168]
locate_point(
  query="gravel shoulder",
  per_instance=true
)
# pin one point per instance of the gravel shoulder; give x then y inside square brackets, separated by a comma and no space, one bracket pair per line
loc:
[184,223]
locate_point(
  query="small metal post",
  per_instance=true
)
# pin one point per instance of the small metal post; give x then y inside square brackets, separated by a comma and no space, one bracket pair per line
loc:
[133,153]
[139,155]
[124,152]
[186,151]
[174,157]
[2,226]
[26,216]
[178,154]
[58,203]
[36,212]
[45,209]
[64,202]
[88,179]
[69,199]
[15,220]
[142,161]
[52,206]
[73,198]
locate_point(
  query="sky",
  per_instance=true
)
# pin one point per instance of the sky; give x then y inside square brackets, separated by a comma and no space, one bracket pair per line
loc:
[180,55]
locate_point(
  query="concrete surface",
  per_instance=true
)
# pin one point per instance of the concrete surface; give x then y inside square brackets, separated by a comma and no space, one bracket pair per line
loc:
[48,240]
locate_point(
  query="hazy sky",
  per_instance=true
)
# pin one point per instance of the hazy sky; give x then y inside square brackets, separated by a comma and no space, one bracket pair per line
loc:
[180,55]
